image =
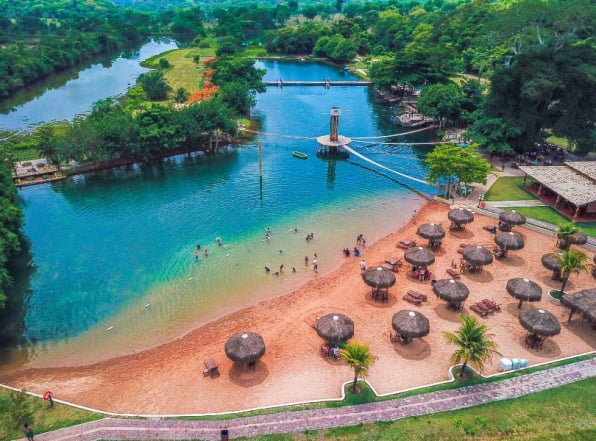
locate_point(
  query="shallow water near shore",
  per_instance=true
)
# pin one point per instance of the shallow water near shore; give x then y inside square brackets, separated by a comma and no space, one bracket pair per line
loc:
[113,251]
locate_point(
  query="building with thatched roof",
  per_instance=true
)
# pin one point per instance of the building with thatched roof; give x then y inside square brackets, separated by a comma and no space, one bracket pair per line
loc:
[572,185]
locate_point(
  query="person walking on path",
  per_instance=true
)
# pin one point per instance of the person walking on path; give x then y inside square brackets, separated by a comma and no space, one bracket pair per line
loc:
[28,431]
[362,265]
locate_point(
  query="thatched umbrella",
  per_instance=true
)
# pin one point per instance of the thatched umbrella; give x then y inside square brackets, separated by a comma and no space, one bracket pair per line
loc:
[453,291]
[335,328]
[378,277]
[419,256]
[477,255]
[509,241]
[583,302]
[539,322]
[524,289]
[410,324]
[578,238]
[433,232]
[551,261]
[461,216]
[245,347]
[511,218]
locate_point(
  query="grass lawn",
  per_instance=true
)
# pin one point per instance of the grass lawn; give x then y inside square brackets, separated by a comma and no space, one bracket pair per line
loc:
[550,215]
[183,71]
[509,188]
[565,413]
[17,408]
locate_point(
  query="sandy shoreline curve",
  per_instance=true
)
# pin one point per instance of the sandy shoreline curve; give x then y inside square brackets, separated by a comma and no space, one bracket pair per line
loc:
[168,379]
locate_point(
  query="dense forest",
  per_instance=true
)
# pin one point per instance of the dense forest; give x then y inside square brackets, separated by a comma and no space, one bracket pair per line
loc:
[512,72]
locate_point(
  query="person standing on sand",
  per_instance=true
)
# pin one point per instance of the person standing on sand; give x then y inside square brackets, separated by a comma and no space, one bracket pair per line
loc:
[315,264]
[362,265]
[28,430]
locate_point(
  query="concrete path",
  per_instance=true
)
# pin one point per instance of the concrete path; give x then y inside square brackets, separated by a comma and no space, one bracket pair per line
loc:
[285,422]
[524,203]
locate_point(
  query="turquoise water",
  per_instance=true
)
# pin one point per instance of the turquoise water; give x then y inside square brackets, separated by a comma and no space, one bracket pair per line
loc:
[113,251]
[70,93]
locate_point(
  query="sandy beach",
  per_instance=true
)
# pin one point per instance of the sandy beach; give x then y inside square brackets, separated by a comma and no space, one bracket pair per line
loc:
[168,379]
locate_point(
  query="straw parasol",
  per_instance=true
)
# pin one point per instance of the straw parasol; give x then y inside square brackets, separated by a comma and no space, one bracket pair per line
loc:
[524,289]
[419,256]
[461,216]
[509,241]
[335,328]
[410,324]
[539,322]
[512,218]
[245,347]
[583,302]
[431,231]
[378,277]
[453,291]
[477,255]
[551,261]
[578,238]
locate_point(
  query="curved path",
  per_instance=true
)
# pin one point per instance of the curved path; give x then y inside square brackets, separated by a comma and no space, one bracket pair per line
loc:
[284,422]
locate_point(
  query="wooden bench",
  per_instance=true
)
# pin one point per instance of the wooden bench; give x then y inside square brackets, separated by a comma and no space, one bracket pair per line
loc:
[411,299]
[418,295]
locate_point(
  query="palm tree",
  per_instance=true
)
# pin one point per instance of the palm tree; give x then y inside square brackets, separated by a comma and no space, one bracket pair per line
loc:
[357,356]
[475,343]
[565,231]
[571,261]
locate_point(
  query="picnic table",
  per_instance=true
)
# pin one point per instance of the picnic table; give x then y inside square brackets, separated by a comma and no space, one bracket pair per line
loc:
[211,367]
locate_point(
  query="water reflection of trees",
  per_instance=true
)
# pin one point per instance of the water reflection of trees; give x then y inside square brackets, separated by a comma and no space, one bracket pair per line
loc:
[12,318]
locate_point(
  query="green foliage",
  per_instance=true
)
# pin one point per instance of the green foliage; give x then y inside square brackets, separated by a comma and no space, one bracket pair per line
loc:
[475,344]
[441,101]
[358,357]
[453,163]
[571,261]
[17,409]
[154,85]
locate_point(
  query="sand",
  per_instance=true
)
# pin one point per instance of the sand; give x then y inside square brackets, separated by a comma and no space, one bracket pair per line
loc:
[169,379]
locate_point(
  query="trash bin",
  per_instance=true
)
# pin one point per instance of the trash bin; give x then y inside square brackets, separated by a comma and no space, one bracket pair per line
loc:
[224,435]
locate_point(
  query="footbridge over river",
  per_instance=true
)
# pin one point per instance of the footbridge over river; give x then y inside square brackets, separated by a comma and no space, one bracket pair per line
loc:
[324,83]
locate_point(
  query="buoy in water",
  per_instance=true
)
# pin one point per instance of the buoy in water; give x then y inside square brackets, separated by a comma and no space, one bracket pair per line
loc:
[110,328]
[147,305]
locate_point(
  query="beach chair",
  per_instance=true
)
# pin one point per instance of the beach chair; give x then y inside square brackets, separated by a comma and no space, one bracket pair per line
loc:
[411,299]
[417,295]
[393,338]
[491,305]
[325,350]
[481,311]
[453,273]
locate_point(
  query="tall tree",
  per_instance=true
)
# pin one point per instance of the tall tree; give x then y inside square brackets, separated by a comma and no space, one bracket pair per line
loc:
[359,358]
[441,101]
[475,344]
[571,261]
[452,163]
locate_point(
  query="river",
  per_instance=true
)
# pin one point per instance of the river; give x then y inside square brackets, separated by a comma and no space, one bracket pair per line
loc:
[113,268]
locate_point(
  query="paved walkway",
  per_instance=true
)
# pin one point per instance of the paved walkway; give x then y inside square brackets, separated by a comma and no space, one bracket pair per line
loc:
[524,203]
[285,422]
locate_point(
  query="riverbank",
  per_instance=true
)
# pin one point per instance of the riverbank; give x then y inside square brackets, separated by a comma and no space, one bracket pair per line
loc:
[168,379]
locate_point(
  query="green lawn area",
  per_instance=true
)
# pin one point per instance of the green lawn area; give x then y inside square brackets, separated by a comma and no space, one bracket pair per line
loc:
[550,215]
[509,188]
[17,408]
[565,413]
[183,71]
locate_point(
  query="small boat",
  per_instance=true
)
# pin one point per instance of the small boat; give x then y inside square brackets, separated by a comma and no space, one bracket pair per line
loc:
[297,154]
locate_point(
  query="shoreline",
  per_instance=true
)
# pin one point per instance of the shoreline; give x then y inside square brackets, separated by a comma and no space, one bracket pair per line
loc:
[143,383]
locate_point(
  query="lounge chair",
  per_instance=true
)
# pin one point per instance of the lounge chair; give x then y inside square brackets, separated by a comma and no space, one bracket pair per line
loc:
[411,299]
[491,305]
[453,273]
[417,295]
[482,312]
